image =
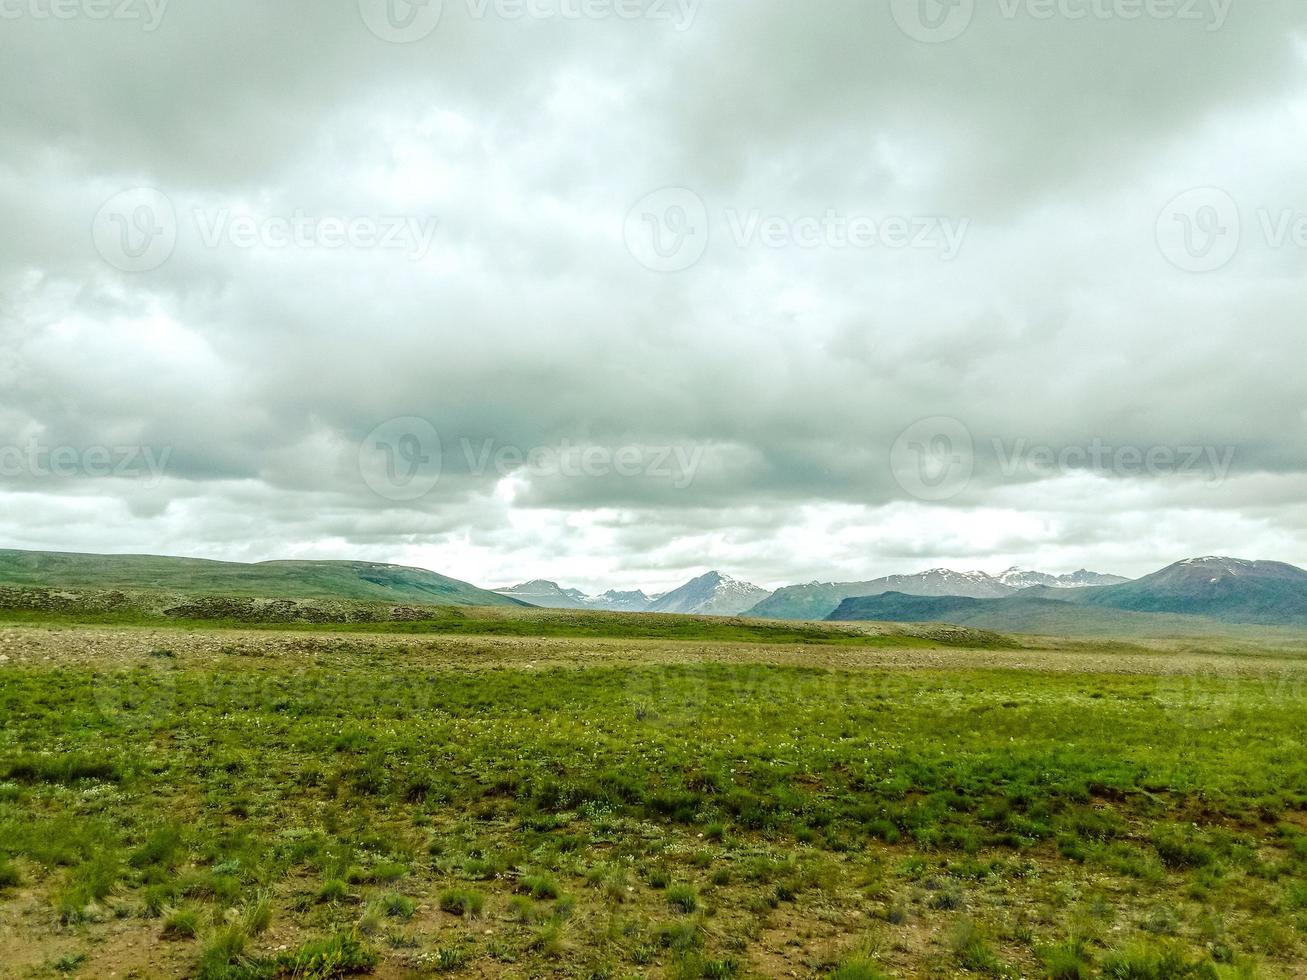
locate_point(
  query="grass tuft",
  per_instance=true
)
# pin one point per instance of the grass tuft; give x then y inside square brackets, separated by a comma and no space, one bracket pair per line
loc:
[463,901]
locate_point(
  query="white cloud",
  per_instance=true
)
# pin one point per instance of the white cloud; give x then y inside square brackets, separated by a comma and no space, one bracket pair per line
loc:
[791,365]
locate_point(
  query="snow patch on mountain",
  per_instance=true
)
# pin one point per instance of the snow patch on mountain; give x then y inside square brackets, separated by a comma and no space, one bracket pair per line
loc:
[1020,578]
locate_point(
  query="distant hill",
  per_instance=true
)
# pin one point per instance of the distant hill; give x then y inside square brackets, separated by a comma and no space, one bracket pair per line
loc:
[818,600]
[1025,613]
[354,580]
[899,607]
[1235,590]
[713,594]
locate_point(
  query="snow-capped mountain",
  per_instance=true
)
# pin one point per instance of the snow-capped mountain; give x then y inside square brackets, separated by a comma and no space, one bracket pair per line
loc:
[1219,566]
[1020,578]
[549,595]
[615,601]
[944,581]
[1233,589]
[1200,574]
[713,594]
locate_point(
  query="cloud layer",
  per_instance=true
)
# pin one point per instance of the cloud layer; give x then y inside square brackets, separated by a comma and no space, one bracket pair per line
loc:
[613,292]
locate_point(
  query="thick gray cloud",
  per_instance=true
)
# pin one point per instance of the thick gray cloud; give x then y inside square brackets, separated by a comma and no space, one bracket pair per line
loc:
[1028,294]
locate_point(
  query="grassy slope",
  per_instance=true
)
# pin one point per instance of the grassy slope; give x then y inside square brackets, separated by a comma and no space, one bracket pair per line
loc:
[284,579]
[44,606]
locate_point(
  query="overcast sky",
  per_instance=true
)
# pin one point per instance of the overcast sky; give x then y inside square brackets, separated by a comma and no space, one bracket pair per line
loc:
[613,292]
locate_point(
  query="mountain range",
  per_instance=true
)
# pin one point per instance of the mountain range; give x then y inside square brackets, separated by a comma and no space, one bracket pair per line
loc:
[1192,597]
[1214,589]
[1197,596]
[817,600]
[716,594]
[713,594]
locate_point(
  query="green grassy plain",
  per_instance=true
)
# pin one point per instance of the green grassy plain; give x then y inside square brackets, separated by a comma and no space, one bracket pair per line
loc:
[72,607]
[550,798]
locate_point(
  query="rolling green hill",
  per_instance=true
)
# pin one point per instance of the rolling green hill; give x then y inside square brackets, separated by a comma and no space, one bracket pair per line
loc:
[809,602]
[355,580]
